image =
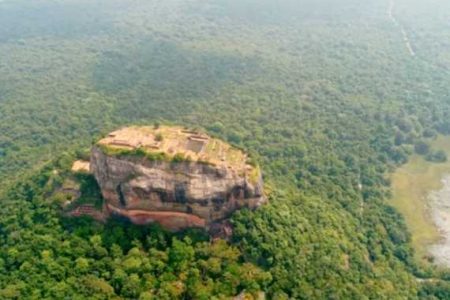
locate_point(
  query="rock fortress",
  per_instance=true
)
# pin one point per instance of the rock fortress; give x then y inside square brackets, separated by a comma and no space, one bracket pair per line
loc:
[173,176]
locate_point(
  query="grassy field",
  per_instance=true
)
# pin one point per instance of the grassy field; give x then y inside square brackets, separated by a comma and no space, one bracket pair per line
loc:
[411,184]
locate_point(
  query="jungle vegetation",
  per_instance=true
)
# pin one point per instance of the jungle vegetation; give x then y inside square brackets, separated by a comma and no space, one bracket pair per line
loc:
[322,93]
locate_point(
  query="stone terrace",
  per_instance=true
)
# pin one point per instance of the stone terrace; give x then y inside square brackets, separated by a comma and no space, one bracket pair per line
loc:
[177,140]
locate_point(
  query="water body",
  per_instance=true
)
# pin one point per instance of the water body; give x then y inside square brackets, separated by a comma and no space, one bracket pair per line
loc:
[439,204]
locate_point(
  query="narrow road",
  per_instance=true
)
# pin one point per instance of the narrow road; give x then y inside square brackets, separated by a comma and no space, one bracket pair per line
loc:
[406,40]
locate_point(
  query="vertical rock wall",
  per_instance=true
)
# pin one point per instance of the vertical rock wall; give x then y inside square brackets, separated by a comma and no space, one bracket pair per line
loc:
[175,194]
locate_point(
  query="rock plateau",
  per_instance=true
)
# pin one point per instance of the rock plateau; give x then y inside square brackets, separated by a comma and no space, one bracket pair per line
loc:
[176,177]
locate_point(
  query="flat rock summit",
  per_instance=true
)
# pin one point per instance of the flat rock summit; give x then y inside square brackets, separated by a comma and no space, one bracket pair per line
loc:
[174,176]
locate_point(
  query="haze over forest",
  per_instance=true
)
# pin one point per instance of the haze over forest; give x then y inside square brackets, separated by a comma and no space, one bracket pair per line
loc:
[330,97]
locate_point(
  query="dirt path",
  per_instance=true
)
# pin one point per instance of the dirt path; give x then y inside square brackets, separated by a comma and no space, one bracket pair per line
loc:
[406,40]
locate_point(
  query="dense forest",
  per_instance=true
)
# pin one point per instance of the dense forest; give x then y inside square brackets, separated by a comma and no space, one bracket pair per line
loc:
[323,93]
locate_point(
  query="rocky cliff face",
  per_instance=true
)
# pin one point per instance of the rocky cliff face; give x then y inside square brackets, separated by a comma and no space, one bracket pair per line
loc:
[176,194]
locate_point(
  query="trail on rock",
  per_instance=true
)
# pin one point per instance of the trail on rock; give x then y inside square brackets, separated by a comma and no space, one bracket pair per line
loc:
[406,40]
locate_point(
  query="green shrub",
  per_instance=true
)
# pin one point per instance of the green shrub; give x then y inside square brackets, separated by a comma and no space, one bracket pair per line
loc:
[437,156]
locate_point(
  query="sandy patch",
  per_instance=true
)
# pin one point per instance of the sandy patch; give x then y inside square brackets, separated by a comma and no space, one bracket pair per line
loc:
[439,203]
[81,166]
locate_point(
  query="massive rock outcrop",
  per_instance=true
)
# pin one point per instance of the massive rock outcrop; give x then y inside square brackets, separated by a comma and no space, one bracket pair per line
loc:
[173,176]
